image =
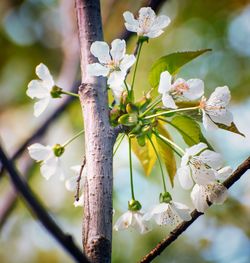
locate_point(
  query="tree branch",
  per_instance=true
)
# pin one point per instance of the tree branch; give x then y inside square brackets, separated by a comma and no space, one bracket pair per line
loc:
[195,214]
[22,187]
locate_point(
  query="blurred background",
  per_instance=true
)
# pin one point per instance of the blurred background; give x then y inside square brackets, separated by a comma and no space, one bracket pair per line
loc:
[35,31]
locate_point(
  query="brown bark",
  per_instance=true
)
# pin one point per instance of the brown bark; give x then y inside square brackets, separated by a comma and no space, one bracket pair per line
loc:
[99,140]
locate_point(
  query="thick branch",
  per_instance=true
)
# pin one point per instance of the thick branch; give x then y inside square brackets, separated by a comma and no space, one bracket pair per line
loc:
[65,240]
[184,225]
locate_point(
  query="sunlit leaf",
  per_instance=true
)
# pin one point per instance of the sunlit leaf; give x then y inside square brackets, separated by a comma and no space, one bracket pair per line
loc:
[166,153]
[145,154]
[172,63]
[231,128]
[189,129]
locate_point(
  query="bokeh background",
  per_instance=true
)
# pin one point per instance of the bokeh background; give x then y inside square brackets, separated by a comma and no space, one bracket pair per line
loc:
[35,31]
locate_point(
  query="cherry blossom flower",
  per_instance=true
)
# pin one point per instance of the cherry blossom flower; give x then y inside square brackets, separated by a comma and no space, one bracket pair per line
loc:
[148,24]
[133,219]
[49,156]
[191,89]
[214,110]
[170,213]
[71,184]
[198,165]
[214,192]
[114,63]
[41,89]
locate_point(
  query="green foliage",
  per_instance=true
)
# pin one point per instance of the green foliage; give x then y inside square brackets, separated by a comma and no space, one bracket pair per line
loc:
[172,63]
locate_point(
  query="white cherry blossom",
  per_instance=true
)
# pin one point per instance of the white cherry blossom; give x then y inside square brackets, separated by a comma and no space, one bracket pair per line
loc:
[170,213]
[40,89]
[191,89]
[50,164]
[214,110]
[71,184]
[148,24]
[114,63]
[133,219]
[198,165]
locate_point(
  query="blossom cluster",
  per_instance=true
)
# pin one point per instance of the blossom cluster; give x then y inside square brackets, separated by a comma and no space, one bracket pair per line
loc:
[201,168]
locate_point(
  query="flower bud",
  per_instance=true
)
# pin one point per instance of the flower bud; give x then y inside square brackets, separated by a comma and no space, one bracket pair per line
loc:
[56,92]
[165,197]
[58,150]
[134,205]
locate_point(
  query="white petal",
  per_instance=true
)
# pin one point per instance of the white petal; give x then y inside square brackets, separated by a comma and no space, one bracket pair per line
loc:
[80,202]
[160,208]
[40,106]
[165,82]
[198,196]
[211,158]
[184,176]
[59,170]
[196,149]
[97,69]
[39,152]
[154,34]
[168,101]
[124,221]
[146,14]
[116,78]
[160,22]
[117,92]
[43,73]
[127,62]
[118,49]
[220,97]
[37,89]
[100,50]
[181,210]
[218,193]
[207,122]
[226,118]
[71,184]
[76,169]
[139,224]
[48,168]
[203,176]
[196,89]
[131,23]
[224,172]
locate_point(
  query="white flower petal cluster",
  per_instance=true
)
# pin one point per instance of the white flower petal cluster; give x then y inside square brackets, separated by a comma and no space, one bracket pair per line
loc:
[148,24]
[214,110]
[40,89]
[113,63]
[170,213]
[191,89]
[71,184]
[132,219]
[50,164]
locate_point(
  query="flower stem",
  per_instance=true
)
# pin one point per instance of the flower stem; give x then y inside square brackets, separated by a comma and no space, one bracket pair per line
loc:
[69,93]
[131,171]
[157,100]
[171,144]
[171,111]
[159,160]
[118,144]
[73,138]
[136,64]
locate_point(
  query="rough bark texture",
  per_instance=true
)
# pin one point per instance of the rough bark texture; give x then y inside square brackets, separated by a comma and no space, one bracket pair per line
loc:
[99,140]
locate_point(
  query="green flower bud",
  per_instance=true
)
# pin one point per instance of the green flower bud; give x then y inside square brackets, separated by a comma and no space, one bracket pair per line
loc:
[56,92]
[165,197]
[58,150]
[134,205]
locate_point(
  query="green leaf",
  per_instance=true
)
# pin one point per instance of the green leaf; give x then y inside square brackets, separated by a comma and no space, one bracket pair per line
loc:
[189,129]
[172,63]
[166,153]
[145,154]
[231,128]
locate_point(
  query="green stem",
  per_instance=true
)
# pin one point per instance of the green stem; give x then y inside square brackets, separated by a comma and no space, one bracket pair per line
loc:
[172,111]
[159,160]
[158,100]
[118,144]
[73,138]
[136,64]
[131,171]
[170,144]
[69,93]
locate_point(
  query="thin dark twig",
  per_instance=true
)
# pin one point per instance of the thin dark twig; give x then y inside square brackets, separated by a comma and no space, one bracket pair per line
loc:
[236,175]
[39,211]
[79,179]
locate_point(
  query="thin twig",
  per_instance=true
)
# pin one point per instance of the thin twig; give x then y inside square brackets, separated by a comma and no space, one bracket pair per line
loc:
[195,214]
[79,179]
[39,211]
